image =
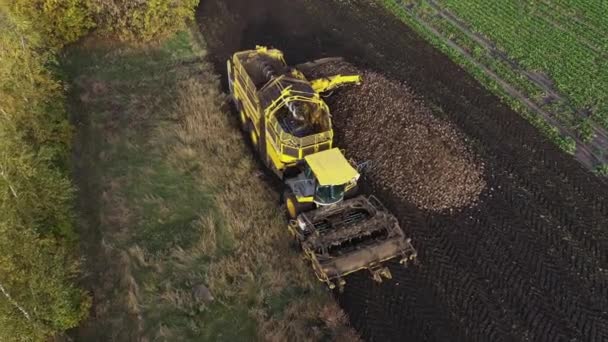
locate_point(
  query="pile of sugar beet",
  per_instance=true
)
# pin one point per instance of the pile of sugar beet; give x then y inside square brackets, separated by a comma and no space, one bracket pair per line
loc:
[417,156]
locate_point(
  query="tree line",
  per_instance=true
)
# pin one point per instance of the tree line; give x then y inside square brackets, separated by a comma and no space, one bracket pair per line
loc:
[39,261]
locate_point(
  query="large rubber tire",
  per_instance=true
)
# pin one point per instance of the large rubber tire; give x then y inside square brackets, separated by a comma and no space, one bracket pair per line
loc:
[292,207]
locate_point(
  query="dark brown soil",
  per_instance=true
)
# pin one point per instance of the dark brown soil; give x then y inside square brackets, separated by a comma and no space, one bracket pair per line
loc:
[421,158]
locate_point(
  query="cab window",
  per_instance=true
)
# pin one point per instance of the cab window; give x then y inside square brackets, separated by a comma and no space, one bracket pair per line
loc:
[329,194]
[308,172]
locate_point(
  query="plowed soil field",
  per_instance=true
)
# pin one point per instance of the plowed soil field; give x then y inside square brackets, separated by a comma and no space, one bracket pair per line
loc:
[526,260]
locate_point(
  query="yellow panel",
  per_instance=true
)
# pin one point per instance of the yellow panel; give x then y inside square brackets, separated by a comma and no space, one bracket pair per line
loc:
[322,85]
[309,199]
[331,167]
[275,158]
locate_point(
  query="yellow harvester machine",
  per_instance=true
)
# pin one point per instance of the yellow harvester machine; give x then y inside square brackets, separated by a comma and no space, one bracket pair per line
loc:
[290,127]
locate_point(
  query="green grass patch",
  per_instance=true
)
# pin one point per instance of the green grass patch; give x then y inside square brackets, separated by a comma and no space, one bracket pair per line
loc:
[277,303]
[540,37]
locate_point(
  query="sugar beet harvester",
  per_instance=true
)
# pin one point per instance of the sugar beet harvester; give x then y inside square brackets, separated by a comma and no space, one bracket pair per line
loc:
[290,127]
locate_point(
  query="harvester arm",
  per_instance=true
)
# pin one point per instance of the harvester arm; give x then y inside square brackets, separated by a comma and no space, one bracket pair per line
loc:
[326,84]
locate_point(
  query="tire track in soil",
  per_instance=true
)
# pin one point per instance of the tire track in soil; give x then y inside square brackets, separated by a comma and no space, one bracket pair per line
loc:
[547,197]
[520,246]
[529,263]
[554,188]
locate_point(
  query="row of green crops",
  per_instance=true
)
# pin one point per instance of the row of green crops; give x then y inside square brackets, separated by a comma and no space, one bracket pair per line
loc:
[555,53]
[420,14]
[554,39]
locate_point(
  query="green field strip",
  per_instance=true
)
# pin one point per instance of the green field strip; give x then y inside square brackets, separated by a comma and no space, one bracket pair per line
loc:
[409,11]
[581,74]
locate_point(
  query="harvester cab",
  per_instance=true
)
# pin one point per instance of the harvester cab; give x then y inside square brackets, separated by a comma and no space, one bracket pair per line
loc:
[325,178]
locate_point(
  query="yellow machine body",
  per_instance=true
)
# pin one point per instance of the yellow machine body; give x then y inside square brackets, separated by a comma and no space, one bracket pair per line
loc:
[290,127]
[267,93]
[330,167]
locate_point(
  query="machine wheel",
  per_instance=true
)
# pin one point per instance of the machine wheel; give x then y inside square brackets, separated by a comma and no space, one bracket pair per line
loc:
[292,207]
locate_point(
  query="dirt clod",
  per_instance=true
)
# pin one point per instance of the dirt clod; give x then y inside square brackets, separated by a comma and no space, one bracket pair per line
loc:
[422,158]
[202,294]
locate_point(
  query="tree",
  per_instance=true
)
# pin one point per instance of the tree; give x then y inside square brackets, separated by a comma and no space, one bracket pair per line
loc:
[38,292]
[59,21]
[38,297]
[38,193]
[38,265]
[29,96]
[142,20]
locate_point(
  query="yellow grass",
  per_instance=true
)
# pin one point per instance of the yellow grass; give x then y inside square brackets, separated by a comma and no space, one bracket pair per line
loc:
[262,263]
